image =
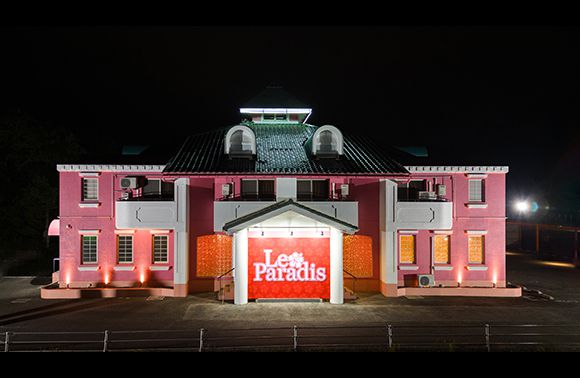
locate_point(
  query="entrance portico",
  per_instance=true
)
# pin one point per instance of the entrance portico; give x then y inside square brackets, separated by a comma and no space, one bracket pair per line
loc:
[288,250]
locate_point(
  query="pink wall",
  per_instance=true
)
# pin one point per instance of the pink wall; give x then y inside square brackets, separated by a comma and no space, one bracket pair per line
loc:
[206,189]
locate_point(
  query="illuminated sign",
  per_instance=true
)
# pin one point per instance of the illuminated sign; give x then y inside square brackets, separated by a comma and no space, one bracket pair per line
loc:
[289,267]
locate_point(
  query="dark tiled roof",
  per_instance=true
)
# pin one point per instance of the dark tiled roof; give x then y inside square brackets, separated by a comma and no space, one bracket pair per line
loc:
[281,149]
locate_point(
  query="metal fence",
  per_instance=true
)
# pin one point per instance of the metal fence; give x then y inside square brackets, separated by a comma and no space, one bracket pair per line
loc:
[556,242]
[386,337]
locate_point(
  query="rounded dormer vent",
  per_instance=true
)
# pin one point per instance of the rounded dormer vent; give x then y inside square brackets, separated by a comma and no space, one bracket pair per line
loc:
[240,141]
[327,141]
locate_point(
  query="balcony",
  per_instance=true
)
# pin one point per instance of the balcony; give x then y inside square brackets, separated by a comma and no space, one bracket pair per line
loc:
[424,215]
[145,214]
[226,211]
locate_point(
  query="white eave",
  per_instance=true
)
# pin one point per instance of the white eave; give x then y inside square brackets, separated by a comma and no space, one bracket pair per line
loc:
[111,168]
[457,169]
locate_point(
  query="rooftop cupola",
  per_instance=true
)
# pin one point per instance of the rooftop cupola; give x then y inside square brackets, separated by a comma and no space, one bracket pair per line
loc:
[275,105]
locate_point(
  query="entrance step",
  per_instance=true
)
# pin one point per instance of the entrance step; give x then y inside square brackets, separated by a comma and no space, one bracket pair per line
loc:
[288,300]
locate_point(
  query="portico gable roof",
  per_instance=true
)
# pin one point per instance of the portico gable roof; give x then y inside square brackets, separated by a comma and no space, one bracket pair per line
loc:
[280,208]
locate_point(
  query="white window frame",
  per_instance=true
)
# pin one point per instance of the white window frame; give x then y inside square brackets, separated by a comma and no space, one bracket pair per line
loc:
[471,192]
[85,189]
[119,236]
[166,248]
[96,261]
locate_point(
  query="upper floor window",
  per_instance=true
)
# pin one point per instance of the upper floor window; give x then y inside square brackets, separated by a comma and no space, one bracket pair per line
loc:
[476,190]
[312,190]
[160,249]
[90,189]
[240,141]
[157,188]
[274,117]
[253,189]
[327,141]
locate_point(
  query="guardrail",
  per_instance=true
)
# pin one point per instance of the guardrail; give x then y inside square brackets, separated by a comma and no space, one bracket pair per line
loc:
[386,337]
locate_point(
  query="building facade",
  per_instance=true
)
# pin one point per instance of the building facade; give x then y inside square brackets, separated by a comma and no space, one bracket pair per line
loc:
[274,207]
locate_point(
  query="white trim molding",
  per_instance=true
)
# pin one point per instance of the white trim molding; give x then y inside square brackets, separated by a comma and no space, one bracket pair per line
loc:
[88,268]
[89,174]
[159,268]
[89,232]
[109,168]
[408,267]
[476,205]
[443,267]
[409,232]
[124,232]
[442,232]
[124,268]
[89,205]
[476,267]
[457,169]
[476,232]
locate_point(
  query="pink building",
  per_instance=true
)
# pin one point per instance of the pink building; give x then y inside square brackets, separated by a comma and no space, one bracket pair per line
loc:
[277,208]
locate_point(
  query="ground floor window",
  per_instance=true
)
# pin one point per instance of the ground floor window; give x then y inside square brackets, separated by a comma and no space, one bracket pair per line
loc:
[476,249]
[125,248]
[407,249]
[441,249]
[89,249]
[160,248]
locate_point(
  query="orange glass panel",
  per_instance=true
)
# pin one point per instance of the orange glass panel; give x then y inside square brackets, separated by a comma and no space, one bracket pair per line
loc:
[441,249]
[407,249]
[476,249]
[214,255]
[358,255]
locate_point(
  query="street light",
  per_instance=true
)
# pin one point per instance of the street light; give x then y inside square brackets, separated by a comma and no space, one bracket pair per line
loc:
[522,206]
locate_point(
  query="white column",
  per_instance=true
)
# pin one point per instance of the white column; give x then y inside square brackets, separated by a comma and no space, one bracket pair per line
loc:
[336,270]
[181,239]
[240,246]
[388,241]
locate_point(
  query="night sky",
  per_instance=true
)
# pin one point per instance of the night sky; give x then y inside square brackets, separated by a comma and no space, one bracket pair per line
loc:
[472,95]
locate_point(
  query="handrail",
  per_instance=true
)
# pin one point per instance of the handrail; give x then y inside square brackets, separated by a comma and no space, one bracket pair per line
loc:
[353,281]
[220,278]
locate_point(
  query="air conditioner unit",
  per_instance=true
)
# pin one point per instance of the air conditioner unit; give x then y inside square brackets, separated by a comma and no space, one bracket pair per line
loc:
[441,190]
[344,188]
[426,280]
[129,183]
[427,196]
[226,190]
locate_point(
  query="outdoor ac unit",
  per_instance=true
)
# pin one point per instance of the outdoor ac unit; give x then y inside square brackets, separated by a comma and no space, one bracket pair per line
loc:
[129,183]
[344,190]
[426,280]
[427,196]
[441,190]
[226,190]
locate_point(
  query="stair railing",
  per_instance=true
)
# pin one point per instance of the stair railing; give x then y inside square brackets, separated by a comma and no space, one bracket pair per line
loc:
[220,279]
[354,278]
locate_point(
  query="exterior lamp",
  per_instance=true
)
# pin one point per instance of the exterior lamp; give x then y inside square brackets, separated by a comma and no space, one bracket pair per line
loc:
[522,206]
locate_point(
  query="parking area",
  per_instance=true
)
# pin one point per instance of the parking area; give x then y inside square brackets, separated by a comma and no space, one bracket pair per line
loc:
[553,296]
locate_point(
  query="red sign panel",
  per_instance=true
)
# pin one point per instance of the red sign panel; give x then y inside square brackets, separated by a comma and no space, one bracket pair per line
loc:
[289,268]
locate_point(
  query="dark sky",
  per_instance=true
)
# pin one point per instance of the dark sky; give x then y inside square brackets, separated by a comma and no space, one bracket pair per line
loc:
[480,95]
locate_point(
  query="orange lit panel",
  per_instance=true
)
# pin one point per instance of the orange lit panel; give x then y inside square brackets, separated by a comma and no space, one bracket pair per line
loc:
[214,255]
[358,255]
[441,249]
[407,249]
[476,249]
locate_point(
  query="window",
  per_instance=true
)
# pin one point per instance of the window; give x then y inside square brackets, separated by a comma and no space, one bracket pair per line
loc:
[90,189]
[160,249]
[158,189]
[410,191]
[407,249]
[258,189]
[125,248]
[274,117]
[312,190]
[89,249]
[441,249]
[476,192]
[476,249]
